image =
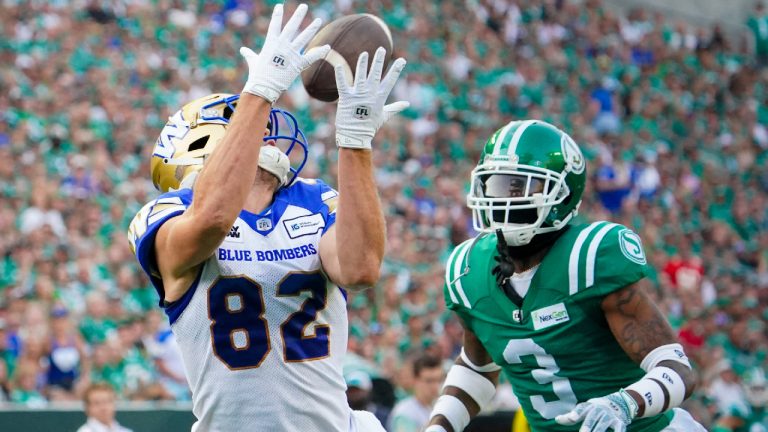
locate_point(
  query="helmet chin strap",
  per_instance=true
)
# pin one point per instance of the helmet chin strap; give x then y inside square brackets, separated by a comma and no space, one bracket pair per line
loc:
[505,267]
[517,238]
[274,161]
[271,159]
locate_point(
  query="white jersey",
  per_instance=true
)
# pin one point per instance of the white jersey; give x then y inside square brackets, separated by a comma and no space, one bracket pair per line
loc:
[262,333]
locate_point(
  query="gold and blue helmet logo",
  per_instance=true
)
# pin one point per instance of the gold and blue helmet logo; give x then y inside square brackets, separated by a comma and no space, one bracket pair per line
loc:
[192,133]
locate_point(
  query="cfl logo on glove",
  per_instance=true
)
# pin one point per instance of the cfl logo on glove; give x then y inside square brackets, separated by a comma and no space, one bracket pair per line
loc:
[362,112]
[278,61]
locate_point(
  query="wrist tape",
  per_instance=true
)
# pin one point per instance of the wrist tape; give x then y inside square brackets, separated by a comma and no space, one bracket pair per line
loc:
[671,352]
[478,387]
[661,389]
[453,410]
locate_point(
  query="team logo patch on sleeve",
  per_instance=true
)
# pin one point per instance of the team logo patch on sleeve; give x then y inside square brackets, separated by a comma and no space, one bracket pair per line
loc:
[304,225]
[549,316]
[632,246]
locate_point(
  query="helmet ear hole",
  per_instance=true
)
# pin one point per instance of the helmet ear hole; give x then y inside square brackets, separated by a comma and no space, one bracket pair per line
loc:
[199,143]
[567,200]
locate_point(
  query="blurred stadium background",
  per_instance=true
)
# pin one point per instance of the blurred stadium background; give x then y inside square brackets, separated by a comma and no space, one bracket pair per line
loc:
[667,99]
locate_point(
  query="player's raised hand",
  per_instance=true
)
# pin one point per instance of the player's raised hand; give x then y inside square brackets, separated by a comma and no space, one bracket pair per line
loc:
[604,414]
[281,61]
[361,110]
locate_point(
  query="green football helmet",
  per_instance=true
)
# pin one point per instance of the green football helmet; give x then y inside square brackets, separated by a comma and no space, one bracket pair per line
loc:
[529,181]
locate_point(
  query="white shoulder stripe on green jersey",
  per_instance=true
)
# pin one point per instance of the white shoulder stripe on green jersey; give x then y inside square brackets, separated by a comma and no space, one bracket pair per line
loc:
[449,275]
[452,270]
[500,137]
[592,253]
[573,262]
[517,135]
[457,266]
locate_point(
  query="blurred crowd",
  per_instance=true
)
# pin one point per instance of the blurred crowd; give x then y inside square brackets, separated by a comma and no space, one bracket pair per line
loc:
[672,117]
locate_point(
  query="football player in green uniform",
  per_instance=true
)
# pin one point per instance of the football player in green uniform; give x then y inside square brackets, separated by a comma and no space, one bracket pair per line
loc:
[558,306]
[756,389]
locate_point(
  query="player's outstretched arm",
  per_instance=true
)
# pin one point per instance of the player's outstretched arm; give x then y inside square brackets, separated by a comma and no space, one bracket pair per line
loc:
[646,337]
[469,386]
[183,243]
[353,249]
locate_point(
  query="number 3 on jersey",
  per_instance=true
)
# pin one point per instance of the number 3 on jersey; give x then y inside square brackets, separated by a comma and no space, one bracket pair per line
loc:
[546,374]
[240,332]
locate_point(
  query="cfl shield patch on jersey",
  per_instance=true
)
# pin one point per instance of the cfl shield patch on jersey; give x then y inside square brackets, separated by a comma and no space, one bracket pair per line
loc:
[264,224]
[555,349]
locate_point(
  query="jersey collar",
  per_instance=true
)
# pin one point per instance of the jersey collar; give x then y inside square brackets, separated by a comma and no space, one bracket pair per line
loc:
[266,221]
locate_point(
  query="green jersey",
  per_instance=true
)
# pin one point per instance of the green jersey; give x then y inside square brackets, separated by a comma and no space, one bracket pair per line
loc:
[556,349]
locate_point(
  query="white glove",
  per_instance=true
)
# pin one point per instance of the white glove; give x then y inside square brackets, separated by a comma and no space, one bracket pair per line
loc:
[273,70]
[361,110]
[611,412]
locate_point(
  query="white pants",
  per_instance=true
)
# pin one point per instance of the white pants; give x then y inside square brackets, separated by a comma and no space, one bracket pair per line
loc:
[364,421]
[683,422]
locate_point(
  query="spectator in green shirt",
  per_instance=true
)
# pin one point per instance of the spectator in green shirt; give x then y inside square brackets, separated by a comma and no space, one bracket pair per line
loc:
[758,28]
[96,325]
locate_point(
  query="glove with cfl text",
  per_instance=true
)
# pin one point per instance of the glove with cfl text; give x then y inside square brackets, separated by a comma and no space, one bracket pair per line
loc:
[361,110]
[281,60]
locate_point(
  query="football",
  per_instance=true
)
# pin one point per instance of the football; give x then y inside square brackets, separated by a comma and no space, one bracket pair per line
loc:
[348,36]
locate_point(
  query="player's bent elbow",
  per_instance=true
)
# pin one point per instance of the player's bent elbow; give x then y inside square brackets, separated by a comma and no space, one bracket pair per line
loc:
[213,223]
[216,229]
[361,278]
